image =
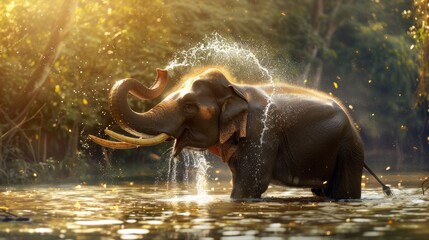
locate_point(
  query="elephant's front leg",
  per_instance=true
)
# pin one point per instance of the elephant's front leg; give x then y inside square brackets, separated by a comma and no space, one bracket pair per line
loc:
[251,171]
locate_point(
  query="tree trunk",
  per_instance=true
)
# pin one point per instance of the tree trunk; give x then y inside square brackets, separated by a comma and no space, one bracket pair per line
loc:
[60,31]
[316,16]
[325,33]
[318,75]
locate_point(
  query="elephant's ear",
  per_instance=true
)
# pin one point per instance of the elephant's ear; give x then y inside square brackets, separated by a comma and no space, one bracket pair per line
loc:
[233,122]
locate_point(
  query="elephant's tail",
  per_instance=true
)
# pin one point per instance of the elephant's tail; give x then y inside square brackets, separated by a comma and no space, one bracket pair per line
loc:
[386,189]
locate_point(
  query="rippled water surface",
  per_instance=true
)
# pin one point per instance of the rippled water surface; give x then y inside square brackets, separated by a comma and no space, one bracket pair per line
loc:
[135,211]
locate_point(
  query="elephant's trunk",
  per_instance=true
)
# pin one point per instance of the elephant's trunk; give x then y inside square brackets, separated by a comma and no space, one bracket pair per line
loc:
[139,124]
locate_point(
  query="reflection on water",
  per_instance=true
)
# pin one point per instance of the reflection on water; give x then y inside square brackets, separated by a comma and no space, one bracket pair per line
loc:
[132,211]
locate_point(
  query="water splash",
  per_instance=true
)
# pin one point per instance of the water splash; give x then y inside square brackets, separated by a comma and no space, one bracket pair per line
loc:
[195,166]
[172,170]
[242,62]
[197,162]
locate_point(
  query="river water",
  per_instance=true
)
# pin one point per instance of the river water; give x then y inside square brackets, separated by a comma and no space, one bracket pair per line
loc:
[165,211]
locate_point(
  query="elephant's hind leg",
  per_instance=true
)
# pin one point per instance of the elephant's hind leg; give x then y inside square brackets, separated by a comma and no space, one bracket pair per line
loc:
[347,177]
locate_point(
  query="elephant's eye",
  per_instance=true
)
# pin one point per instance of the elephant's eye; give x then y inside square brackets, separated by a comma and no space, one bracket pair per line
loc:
[190,108]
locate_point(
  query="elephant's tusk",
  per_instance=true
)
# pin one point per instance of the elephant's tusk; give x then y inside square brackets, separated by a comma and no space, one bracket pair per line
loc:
[139,134]
[138,141]
[112,144]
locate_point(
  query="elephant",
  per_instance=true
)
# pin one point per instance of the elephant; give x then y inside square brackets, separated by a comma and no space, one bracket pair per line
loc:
[267,134]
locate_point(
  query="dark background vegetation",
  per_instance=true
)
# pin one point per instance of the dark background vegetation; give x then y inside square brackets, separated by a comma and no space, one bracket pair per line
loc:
[59,59]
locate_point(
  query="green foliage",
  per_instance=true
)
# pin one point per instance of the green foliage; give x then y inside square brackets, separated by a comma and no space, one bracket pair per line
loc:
[379,71]
[419,31]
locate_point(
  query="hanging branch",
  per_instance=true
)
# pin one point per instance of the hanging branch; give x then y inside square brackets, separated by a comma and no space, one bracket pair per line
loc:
[16,126]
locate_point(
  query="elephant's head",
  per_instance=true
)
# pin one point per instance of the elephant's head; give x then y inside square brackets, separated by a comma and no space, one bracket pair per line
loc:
[206,111]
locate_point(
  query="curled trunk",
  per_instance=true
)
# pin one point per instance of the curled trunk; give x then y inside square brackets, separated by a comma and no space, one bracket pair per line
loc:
[139,124]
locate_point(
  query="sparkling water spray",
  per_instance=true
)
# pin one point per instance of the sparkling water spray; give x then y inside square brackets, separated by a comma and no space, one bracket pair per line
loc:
[202,167]
[172,170]
[196,165]
[216,50]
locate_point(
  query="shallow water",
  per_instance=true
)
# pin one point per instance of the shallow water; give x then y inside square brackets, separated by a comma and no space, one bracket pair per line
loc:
[135,211]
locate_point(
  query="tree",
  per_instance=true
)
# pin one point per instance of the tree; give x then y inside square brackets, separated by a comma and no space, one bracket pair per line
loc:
[419,31]
[16,116]
[311,26]
[60,31]
[374,62]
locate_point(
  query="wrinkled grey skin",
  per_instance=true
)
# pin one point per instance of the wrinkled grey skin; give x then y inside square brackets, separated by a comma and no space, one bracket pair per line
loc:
[310,140]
